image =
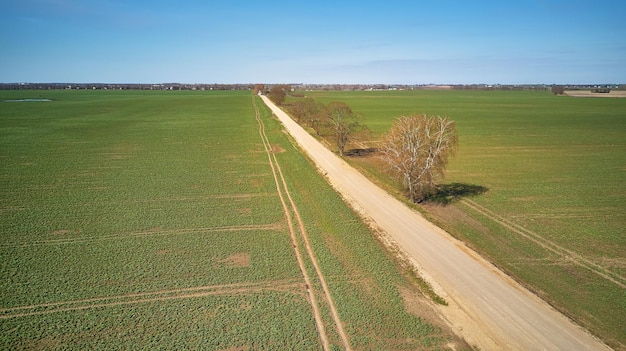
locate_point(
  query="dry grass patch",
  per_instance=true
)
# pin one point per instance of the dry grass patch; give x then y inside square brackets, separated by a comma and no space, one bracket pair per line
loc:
[277,149]
[418,305]
[236,260]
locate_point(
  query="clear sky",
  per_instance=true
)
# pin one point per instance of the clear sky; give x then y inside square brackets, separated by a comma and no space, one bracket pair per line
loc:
[317,41]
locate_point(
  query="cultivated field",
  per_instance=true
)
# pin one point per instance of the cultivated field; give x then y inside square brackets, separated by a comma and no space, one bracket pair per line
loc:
[184,220]
[553,167]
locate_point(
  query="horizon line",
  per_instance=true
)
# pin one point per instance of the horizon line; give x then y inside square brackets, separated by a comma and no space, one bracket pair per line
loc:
[300,83]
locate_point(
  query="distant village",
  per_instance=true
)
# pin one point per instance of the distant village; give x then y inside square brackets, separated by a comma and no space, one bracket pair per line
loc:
[299,86]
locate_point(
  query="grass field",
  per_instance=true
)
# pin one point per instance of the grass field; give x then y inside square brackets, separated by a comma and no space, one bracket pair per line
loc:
[555,208]
[152,220]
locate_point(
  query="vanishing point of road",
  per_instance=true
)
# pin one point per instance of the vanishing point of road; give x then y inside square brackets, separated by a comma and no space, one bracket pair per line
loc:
[485,306]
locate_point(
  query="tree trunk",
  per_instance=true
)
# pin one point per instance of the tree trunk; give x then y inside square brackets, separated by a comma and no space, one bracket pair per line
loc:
[411,192]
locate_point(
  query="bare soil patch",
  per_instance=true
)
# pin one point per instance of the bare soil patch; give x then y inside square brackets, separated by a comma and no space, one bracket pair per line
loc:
[237,260]
[240,348]
[589,93]
[277,149]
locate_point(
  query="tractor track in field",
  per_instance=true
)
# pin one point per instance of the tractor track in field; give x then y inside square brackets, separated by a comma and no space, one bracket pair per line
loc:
[204,197]
[564,253]
[147,233]
[290,207]
[147,297]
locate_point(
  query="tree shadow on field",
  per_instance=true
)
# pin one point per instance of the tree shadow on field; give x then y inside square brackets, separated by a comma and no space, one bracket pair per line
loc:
[360,152]
[448,193]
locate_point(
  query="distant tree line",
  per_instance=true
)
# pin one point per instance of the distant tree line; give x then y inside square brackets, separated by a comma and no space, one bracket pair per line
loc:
[560,89]
[335,120]
[111,86]
[299,87]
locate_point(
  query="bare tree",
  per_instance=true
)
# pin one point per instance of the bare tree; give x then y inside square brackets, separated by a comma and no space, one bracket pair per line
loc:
[316,117]
[342,122]
[258,88]
[303,108]
[558,89]
[416,151]
[278,93]
[308,112]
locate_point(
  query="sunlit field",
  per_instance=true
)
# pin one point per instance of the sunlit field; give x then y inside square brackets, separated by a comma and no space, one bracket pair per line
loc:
[553,167]
[152,220]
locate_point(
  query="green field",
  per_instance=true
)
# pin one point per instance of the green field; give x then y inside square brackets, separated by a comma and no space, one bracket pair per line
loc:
[151,220]
[554,168]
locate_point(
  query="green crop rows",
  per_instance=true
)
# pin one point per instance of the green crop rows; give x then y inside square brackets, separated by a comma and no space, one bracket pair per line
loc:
[554,167]
[150,220]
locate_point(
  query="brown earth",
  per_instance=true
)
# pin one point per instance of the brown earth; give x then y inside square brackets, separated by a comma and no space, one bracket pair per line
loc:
[589,93]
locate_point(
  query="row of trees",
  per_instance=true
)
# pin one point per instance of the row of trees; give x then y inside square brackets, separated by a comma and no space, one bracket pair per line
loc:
[415,151]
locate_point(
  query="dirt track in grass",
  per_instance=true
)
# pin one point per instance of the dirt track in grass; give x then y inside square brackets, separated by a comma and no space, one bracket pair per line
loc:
[291,214]
[294,286]
[562,252]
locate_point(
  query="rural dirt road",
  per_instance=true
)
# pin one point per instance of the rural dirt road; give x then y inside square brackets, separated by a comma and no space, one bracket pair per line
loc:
[485,306]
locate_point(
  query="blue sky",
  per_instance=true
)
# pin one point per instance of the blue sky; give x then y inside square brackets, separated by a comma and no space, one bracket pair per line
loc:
[241,41]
